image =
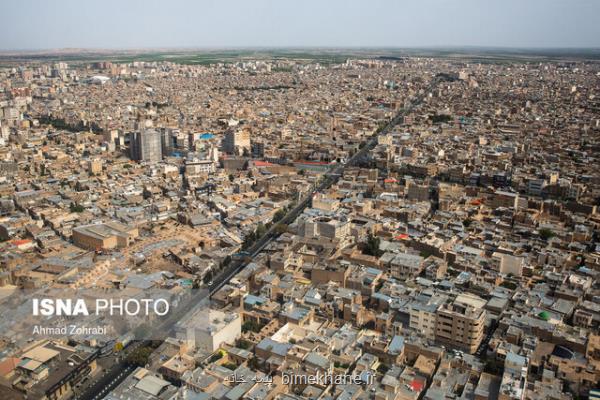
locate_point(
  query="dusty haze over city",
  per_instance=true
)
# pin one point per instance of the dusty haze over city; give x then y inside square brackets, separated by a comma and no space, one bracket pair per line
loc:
[286,200]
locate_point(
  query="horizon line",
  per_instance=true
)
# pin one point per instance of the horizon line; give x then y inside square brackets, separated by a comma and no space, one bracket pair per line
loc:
[294,47]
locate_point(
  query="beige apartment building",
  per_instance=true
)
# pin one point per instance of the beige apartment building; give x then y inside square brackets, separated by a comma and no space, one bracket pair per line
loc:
[236,141]
[95,166]
[423,315]
[325,227]
[460,324]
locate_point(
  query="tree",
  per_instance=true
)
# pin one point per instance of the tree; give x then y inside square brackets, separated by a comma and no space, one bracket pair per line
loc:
[424,253]
[440,118]
[215,357]
[139,356]
[509,285]
[76,208]
[249,240]
[546,233]
[281,229]
[231,178]
[279,215]
[225,261]
[371,248]
[381,126]
[251,326]
[467,222]
[260,230]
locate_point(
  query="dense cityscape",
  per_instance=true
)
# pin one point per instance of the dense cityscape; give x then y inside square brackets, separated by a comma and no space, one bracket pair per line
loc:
[380,228]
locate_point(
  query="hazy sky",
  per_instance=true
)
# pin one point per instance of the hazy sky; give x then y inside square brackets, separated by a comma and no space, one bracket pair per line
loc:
[43,24]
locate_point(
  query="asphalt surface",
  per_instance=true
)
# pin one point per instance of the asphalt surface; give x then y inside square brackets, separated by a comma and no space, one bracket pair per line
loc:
[115,375]
[107,381]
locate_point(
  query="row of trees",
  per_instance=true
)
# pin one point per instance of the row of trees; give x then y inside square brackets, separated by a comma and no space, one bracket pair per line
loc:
[252,237]
[261,228]
[440,118]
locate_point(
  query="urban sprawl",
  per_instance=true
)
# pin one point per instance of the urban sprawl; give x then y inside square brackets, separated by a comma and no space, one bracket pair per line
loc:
[424,228]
